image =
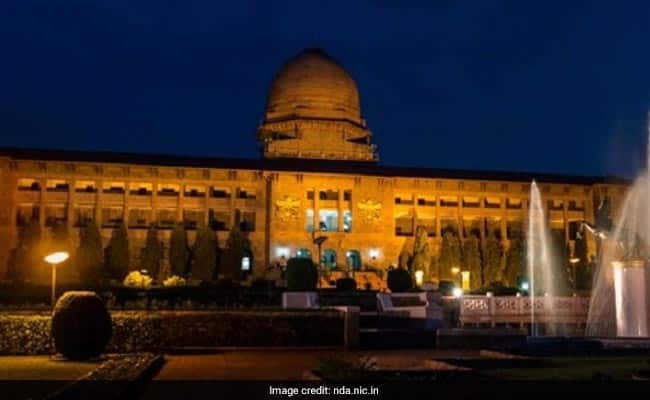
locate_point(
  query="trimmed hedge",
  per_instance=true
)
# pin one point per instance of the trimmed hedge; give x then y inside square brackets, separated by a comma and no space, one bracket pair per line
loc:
[29,333]
[81,325]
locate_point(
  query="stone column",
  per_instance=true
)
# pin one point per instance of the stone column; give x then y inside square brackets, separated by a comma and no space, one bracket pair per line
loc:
[70,205]
[316,224]
[99,202]
[206,206]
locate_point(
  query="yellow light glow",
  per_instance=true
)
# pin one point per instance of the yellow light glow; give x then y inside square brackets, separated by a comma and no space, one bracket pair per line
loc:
[574,260]
[57,257]
[455,270]
[419,277]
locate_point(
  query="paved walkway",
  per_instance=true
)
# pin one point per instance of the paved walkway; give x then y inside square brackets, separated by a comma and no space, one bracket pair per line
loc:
[277,364]
[42,368]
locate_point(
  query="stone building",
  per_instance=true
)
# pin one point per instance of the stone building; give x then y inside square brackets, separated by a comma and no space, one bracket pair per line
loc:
[319,176]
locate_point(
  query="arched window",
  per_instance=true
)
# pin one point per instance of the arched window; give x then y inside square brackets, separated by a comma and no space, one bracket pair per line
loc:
[328,259]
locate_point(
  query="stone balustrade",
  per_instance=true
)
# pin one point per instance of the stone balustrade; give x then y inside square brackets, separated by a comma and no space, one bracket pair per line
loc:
[517,310]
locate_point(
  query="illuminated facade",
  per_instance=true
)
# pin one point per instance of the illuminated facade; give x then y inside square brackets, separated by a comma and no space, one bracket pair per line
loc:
[319,176]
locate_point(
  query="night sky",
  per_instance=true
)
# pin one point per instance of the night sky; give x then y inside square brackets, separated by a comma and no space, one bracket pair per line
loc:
[489,85]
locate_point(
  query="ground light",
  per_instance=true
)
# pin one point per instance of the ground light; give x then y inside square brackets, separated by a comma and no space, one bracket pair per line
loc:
[54,259]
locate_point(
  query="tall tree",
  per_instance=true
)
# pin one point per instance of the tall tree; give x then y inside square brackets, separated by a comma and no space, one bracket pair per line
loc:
[492,254]
[61,241]
[151,255]
[90,255]
[236,247]
[515,259]
[204,253]
[583,272]
[27,257]
[117,260]
[559,263]
[472,261]
[450,255]
[178,251]
[421,253]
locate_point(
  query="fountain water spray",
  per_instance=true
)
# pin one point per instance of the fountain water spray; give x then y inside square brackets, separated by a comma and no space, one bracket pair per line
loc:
[620,300]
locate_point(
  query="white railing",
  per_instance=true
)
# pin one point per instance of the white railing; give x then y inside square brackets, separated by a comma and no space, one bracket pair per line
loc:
[517,310]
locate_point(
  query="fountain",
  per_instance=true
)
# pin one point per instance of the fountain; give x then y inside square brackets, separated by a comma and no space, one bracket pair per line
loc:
[619,299]
[542,274]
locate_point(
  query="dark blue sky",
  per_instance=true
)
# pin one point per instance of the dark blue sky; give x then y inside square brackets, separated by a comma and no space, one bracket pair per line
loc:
[522,85]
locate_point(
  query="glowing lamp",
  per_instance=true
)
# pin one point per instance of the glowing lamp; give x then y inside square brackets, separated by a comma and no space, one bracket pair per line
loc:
[457,292]
[56,258]
[455,270]
[419,277]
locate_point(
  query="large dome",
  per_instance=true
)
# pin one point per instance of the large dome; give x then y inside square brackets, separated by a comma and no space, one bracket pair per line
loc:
[312,85]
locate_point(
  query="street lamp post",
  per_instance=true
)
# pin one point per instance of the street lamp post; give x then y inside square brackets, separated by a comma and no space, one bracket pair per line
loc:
[54,259]
[318,241]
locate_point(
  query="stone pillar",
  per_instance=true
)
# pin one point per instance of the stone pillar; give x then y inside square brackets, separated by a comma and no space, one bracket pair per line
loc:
[459,219]
[181,200]
[565,222]
[206,206]
[233,196]
[99,203]
[437,216]
[154,202]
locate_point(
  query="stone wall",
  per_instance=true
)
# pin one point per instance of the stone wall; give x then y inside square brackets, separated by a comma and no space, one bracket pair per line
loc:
[29,332]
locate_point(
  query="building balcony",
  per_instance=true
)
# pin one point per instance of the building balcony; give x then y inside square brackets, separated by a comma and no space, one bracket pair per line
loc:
[56,197]
[28,196]
[85,197]
[194,202]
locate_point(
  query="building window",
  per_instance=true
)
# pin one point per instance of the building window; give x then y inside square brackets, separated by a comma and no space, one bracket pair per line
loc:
[303,253]
[83,215]
[220,193]
[310,195]
[247,223]
[55,215]
[328,195]
[514,204]
[56,185]
[168,189]
[347,221]
[112,216]
[492,202]
[426,202]
[139,217]
[192,218]
[309,220]
[404,225]
[429,225]
[113,187]
[328,220]
[471,202]
[555,205]
[449,201]
[347,195]
[243,193]
[85,187]
[576,205]
[166,218]
[406,200]
[194,191]
[26,213]
[140,189]
[27,184]
[574,228]
[219,220]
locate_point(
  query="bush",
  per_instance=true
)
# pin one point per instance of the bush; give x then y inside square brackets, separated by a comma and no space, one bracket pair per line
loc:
[136,279]
[346,284]
[174,281]
[399,280]
[81,325]
[301,275]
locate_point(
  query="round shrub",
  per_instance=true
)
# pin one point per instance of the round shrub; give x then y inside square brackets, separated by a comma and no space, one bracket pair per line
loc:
[399,280]
[301,275]
[81,325]
[346,284]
